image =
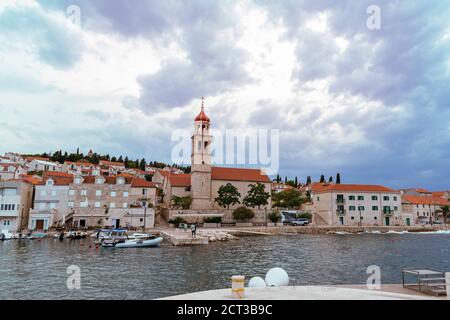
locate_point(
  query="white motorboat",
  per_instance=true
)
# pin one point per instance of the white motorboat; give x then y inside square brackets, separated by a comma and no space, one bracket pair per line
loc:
[140,243]
[137,235]
[6,235]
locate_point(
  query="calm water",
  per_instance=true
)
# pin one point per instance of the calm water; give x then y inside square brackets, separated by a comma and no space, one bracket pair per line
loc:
[37,269]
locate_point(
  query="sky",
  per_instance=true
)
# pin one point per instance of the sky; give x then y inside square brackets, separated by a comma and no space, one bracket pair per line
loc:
[121,76]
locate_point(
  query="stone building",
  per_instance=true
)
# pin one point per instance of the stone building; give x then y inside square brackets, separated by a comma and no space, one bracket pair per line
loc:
[50,202]
[15,202]
[423,209]
[354,204]
[117,201]
[204,181]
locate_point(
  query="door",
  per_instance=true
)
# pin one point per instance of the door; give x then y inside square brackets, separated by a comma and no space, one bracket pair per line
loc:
[82,223]
[117,223]
[386,220]
[408,221]
[341,221]
[39,224]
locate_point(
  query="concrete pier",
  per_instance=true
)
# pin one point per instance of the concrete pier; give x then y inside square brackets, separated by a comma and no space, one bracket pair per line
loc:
[182,238]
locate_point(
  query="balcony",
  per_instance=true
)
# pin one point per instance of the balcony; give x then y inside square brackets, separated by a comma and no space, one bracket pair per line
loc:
[388,212]
[341,212]
[340,201]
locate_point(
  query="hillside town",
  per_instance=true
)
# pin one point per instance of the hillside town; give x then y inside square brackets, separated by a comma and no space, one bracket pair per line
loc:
[39,194]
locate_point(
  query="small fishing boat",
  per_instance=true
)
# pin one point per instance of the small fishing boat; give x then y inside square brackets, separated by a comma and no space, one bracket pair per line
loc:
[110,237]
[6,235]
[152,241]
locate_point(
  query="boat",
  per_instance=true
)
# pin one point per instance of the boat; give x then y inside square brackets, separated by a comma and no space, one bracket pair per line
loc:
[152,241]
[35,236]
[110,237]
[6,235]
[76,235]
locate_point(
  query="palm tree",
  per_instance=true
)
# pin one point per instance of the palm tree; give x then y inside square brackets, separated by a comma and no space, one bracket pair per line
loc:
[445,211]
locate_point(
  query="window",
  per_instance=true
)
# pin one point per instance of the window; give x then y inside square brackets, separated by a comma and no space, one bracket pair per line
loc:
[97,204]
[43,192]
[144,192]
[353,218]
[120,180]
[70,204]
[352,208]
[351,198]
[374,198]
[77,180]
[71,192]
[99,181]
[395,208]
[98,192]
[374,208]
[360,197]
[360,208]
[113,193]
[386,198]
[318,198]
[125,194]
[83,192]
[1,207]
[395,198]
[112,205]
[84,204]
[49,182]
[53,193]
[375,218]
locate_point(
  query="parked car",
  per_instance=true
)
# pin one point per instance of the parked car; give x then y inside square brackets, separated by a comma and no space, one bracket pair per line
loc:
[299,222]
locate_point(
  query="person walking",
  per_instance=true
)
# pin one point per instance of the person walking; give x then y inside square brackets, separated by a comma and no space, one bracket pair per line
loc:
[193,229]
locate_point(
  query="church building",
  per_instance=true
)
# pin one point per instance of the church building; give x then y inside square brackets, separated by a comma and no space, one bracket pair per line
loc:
[204,181]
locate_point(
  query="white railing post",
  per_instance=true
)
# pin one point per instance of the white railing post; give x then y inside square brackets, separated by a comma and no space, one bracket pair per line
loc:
[447,284]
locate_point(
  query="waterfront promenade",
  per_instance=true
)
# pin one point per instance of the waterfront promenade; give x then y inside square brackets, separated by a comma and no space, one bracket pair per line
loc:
[179,237]
[350,292]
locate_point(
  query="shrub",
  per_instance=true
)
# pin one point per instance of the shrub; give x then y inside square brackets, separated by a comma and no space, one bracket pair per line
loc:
[243,214]
[305,215]
[274,217]
[177,221]
[212,220]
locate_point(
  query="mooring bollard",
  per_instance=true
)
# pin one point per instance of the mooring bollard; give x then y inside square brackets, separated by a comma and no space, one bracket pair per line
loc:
[447,284]
[237,286]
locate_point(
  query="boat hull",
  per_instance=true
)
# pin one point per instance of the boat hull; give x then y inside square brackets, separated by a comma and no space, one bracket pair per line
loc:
[140,243]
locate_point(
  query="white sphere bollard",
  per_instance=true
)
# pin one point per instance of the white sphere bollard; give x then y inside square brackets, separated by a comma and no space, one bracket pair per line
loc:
[276,277]
[256,282]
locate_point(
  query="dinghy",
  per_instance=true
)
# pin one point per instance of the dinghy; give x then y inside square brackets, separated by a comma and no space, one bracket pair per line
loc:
[140,243]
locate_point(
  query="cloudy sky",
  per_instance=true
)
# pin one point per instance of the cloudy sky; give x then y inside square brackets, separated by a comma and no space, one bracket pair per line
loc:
[372,104]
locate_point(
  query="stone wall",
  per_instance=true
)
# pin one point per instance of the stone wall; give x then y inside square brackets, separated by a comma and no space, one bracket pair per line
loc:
[198,216]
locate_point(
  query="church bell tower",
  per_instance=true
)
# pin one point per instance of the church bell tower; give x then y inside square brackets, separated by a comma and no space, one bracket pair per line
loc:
[201,161]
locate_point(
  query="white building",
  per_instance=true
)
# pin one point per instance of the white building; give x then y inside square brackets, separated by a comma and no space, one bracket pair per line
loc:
[15,203]
[423,209]
[356,205]
[37,165]
[10,171]
[50,203]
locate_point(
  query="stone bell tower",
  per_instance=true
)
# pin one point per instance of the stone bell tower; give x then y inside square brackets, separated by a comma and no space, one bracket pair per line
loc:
[201,162]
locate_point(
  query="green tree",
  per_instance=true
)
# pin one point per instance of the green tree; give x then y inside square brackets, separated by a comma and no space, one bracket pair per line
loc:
[142,164]
[330,179]
[256,196]
[338,178]
[308,180]
[445,211]
[227,195]
[182,202]
[322,178]
[288,199]
[296,182]
[274,217]
[243,214]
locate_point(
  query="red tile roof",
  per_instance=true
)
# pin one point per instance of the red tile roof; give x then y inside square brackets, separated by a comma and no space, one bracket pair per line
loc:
[425,200]
[326,187]
[58,181]
[141,183]
[56,174]
[239,174]
[180,180]
[111,163]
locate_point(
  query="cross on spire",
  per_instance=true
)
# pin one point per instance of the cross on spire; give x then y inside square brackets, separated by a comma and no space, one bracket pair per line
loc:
[203,103]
